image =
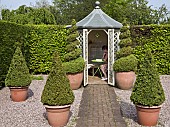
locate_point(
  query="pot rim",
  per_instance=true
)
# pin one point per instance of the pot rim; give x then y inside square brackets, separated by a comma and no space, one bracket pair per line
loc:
[151,107]
[56,106]
[18,87]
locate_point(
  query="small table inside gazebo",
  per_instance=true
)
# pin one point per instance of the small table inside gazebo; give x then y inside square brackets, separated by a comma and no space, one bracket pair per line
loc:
[96,64]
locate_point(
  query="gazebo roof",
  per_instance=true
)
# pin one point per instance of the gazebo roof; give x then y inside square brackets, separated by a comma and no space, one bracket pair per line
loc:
[98,19]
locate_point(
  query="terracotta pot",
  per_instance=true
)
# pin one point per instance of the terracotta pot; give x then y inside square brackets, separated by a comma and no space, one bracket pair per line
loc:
[57,115]
[148,116]
[18,94]
[75,80]
[125,80]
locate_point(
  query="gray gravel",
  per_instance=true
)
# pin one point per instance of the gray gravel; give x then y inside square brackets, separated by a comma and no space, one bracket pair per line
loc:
[129,111]
[31,113]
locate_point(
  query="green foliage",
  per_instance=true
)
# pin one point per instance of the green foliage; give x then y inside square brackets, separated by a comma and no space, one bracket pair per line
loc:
[57,89]
[72,55]
[125,64]
[148,90]
[123,52]
[125,37]
[74,66]
[155,38]
[18,74]
[74,9]
[39,43]
[34,77]
[125,61]
[125,33]
[135,12]
[125,42]
[9,34]
[43,40]
[41,16]
[74,63]
[29,15]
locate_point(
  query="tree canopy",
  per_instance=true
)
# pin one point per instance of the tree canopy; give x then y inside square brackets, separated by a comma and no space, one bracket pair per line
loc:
[133,12]
[29,15]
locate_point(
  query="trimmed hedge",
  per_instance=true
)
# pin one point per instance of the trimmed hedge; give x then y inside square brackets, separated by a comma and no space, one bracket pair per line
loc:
[38,44]
[10,33]
[155,38]
[43,40]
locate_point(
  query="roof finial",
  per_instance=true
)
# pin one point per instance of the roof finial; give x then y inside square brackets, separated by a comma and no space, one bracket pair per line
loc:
[97,3]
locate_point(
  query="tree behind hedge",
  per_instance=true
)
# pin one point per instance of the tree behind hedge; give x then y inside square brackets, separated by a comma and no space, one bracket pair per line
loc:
[57,90]
[29,15]
[18,74]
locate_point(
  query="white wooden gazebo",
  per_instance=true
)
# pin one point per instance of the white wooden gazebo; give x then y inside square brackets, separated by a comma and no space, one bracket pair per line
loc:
[95,30]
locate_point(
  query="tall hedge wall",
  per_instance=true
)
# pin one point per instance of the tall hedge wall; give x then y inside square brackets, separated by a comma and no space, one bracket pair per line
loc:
[38,45]
[42,41]
[9,34]
[156,38]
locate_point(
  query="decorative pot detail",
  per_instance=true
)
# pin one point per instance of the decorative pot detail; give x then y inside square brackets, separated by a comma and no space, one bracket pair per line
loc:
[75,80]
[18,94]
[148,116]
[125,80]
[57,115]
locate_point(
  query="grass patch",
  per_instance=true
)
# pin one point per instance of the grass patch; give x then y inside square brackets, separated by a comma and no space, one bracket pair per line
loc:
[34,77]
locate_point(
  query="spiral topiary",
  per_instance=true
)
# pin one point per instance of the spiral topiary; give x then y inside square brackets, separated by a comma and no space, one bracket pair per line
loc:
[125,60]
[74,66]
[72,49]
[123,52]
[57,91]
[125,64]
[74,63]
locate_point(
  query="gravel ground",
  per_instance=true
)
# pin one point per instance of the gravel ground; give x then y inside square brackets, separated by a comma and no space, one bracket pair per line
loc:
[31,113]
[129,111]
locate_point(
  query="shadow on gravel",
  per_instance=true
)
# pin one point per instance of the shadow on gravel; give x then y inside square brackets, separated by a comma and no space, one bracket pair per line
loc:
[70,114]
[30,93]
[45,115]
[1,87]
[128,111]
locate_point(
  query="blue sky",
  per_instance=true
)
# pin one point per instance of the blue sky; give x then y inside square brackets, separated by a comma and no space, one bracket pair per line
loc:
[14,4]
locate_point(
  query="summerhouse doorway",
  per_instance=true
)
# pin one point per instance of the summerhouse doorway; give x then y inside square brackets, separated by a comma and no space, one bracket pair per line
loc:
[96,39]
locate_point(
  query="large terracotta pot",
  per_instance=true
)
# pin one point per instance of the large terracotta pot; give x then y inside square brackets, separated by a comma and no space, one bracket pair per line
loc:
[19,94]
[125,80]
[148,116]
[57,115]
[75,80]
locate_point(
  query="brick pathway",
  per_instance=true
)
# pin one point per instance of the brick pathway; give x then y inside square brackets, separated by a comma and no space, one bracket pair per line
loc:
[99,108]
